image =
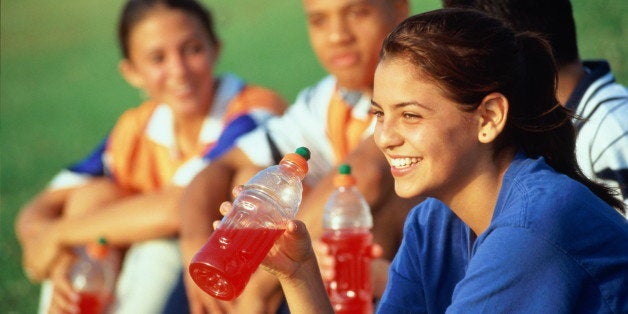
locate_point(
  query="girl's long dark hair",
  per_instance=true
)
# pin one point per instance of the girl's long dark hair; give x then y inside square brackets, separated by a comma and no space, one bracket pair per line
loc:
[135,10]
[469,55]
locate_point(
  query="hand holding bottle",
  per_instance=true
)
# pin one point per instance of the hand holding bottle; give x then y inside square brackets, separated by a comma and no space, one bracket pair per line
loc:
[93,277]
[64,299]
[259,216]
[293,262]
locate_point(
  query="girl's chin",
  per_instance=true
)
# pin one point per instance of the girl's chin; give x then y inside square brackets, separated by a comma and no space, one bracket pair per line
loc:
[404,191]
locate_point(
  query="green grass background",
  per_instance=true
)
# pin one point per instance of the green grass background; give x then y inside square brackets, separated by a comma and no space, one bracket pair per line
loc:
[61,92]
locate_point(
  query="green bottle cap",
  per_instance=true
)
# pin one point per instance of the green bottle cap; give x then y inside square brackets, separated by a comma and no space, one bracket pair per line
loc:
[344,169]
[304,152]
[102,241]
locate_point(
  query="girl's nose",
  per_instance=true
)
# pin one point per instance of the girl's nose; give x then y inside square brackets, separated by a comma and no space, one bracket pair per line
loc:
[387,135]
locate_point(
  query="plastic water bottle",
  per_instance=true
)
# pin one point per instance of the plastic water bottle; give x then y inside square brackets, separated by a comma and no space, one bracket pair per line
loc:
[347,222]
[93,277]
[224,265]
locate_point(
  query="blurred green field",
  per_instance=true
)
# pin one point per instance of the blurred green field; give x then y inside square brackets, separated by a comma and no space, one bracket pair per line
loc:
[60,91]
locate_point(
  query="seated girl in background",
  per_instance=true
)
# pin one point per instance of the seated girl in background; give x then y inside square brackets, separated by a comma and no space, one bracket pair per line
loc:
[467,115]
[127,190]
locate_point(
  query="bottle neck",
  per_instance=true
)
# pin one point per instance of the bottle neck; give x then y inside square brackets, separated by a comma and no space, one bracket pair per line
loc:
[346,188]
[292,169]
[347,230]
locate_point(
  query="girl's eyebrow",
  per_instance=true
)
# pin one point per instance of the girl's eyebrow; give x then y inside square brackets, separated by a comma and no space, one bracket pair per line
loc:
[405,104]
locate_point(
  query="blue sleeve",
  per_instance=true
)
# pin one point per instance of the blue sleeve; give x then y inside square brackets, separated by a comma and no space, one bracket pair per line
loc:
[430,262]
[236,128]
[514,271]
[92,165]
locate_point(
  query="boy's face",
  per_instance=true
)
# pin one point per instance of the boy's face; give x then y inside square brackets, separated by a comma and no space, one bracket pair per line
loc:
[346,36]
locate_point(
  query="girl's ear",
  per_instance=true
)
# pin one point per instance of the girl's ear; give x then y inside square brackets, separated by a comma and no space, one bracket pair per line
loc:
[130,74]
[493,111]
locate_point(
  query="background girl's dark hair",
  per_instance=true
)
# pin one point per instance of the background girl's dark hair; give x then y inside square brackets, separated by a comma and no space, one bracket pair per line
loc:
[554,19]
[469,55]
[135,10]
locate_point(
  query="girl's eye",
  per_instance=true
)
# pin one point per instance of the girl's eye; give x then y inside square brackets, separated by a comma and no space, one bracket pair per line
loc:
[193,48]
[156,58]
[316,21]
[376,112]
[359,11]
[410,116]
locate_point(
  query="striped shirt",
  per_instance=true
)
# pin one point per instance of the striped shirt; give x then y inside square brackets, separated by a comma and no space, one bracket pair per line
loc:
[601,106]
[141,152]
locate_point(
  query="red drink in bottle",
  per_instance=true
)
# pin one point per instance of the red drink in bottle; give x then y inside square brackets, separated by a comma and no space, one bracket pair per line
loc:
[225,263]
[90,303]
[347,222]
[93,277]
[350,291]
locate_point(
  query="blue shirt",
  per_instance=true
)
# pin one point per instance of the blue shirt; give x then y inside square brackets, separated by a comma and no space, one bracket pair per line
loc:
[552,247]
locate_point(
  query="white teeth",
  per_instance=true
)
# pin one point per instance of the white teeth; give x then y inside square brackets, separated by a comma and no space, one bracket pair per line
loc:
[403,162]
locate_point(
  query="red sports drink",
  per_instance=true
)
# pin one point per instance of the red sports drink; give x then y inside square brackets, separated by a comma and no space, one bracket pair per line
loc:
[90,303]
[347,224]
[93,276]
[350,291]
[224,265]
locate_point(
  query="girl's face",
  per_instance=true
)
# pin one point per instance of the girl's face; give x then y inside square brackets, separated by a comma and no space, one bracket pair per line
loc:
[346,36]
[431,145]
[172,60]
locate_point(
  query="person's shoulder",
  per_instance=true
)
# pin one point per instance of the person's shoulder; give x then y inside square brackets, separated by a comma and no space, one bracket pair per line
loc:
[559,210]
[531,188]
[139,113]
[541,198]
[539,183]
[602,91]
[248,90]
[324,88]
[260,96]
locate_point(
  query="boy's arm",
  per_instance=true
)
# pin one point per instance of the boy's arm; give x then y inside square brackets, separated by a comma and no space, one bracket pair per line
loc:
[121,218]
[32,221]
[39,211]
[199,208]
[201,199]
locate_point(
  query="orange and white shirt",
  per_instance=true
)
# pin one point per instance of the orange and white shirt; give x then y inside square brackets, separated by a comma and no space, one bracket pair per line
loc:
[329,121]
[141,153]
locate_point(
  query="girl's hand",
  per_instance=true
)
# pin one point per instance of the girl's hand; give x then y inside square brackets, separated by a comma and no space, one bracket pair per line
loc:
[291,252]
[292,249]
[64,298]
[40,253]
[292,261]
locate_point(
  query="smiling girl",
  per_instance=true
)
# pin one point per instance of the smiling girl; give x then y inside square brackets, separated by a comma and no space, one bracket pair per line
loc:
[128,189]
[467,115]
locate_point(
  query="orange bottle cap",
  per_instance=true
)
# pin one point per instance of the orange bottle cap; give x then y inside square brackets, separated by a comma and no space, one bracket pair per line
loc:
[300,158]
[344,177]
[98,250]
